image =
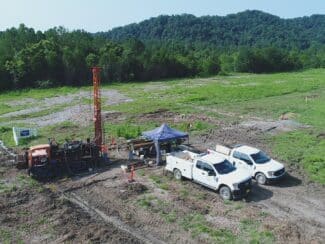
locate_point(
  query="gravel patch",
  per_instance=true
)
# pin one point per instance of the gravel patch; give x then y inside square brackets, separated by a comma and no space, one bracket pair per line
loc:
[21,102]
[40,105]
[114,97]
[78,114]
[23,112]
[273,127]
[81,114]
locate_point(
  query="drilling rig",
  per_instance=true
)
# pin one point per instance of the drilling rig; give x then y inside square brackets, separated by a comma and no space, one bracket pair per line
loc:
[97,108]
[99,139]
[50,160]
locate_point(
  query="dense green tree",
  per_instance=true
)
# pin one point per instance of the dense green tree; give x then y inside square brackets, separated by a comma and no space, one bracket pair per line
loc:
[162,47]
[227,62]
[265,60]
[38,61]
[250,28]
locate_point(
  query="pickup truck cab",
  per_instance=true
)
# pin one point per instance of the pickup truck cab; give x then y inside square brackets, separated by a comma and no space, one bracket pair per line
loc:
[210,170]
[261,167]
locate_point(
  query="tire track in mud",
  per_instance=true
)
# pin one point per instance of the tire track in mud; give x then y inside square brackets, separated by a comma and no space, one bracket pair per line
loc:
[298,204]
[117,223]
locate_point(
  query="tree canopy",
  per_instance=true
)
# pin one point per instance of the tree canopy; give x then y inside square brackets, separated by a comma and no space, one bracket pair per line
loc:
[162,47]
[250,28]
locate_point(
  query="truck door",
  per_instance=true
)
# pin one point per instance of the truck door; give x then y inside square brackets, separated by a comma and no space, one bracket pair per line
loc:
[205,174]
[241,160]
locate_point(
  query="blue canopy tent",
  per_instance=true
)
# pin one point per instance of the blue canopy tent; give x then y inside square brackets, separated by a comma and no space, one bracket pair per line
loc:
[162,134]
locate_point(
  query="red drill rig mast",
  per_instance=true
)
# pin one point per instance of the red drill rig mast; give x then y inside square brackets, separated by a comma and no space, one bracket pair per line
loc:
[97,107]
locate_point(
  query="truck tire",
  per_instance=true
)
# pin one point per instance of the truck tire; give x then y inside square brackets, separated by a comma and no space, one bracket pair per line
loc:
[260,178]
[225,193]
[177,174]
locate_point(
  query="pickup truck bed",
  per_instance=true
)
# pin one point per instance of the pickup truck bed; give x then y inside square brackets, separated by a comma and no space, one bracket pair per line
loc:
[183,161]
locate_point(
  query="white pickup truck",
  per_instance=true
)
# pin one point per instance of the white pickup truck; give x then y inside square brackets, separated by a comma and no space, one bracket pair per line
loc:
[210,170]
[261,167]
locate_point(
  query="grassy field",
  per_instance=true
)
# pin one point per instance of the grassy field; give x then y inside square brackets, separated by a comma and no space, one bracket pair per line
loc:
[231,98]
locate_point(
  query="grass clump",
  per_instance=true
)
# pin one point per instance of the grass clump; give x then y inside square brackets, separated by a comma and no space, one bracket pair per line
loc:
[197,225]
[6,136]
[184,193]
[156,178]
[160,181]
[125,130]
[158,206]
[263,214]
[146,201]
[5,108]
[6,237]
[141,172]
[25,181]
[169,217]
[27,141]
[7,187]
[197,126]
[201,196]
[305,149]
[22,181]
[250,232]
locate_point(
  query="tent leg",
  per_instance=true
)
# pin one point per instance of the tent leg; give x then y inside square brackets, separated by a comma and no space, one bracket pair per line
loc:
[157,146]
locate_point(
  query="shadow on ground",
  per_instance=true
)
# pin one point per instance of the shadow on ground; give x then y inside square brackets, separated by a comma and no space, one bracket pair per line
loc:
[287,181]
[259,193]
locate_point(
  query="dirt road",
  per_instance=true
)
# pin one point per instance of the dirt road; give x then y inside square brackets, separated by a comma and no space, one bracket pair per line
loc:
[293,200]
[103,207]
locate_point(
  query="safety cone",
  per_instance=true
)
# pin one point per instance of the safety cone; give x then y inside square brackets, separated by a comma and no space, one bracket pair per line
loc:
[131,176]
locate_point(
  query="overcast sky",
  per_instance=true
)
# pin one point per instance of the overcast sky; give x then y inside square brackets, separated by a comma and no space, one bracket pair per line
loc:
[103,15]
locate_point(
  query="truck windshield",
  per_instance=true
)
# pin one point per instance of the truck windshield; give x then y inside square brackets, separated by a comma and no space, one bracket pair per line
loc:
[224,168]
[260,157]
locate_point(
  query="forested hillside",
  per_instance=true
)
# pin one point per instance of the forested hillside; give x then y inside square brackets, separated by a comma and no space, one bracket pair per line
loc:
[249,28]
[162,47]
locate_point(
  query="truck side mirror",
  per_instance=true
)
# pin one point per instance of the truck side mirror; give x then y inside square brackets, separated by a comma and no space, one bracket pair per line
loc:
[211,173]
[250,163]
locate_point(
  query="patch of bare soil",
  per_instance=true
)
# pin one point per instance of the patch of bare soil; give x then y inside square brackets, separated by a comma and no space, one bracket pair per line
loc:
[36,216]
[273,127]
[321,135]
[122,201]
[132,189]
[250,132]
[143,206]
[104,207]
[113,116]
[297,202]
[229,135]
[166,116]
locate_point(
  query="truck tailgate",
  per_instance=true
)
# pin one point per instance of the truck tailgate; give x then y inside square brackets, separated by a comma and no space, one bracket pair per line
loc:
[223,150]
